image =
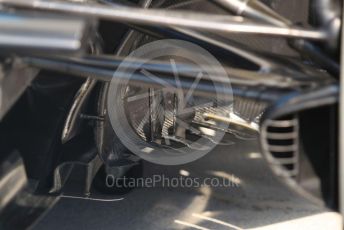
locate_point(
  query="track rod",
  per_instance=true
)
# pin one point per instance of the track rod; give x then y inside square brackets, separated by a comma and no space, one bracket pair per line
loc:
[182,19]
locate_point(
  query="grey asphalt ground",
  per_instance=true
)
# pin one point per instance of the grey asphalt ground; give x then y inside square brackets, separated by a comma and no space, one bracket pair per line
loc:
[259,200]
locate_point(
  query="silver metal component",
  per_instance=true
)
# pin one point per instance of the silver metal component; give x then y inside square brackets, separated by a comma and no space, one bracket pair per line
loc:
[286,148]
[73,117]
[282,136]
[283,124]
[32,32]
[341,131]
[254,9]
[215,23]
[104,63]
[92,117]
[328,12]
[232,121]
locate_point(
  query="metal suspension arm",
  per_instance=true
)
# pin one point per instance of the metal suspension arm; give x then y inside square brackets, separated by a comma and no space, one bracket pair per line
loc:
[207,22]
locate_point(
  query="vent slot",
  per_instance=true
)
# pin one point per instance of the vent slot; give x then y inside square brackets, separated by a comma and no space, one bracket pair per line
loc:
[280,144]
